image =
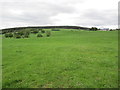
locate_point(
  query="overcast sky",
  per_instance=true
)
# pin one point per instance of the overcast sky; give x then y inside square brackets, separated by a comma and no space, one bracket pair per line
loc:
[87,13]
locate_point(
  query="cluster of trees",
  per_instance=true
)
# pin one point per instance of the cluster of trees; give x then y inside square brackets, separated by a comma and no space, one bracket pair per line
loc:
[20,34]
[26,33]
[48,34]
[115,29]
[93,29]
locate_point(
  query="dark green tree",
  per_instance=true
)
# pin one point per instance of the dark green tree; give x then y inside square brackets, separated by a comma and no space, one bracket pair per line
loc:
[39,35]
[93,29]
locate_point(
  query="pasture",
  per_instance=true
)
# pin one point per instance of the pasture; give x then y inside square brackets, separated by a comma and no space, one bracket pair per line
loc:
[66,59]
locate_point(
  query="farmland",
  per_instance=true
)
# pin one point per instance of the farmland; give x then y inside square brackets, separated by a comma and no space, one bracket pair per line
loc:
[66,59]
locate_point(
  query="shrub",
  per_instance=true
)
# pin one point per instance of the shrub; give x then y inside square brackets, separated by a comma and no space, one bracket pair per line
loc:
[26,36]
[16,33]
[8,35]
[48,33]
[111,30]
[117,29]
[21,33]
[27,32]
[17,36]
[34,31]
[39,35]
[42,31]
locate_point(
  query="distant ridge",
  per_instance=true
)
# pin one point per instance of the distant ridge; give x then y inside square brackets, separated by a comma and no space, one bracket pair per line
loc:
[46,27]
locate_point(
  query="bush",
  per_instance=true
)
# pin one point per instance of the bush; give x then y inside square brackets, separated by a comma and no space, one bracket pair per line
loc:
[7,35]
[42,31]
[39,35]
[16,33]
[48,33]
[27,32]
[10,35]
[34,31]
[111,30]
[117,29]
[21,33]
[26,36]
[17,36]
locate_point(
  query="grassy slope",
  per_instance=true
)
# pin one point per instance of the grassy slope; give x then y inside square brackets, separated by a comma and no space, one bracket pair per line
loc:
[67,59]
[0,61]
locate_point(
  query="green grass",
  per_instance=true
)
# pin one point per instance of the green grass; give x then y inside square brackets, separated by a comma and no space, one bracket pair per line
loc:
[67,59]
[0,61]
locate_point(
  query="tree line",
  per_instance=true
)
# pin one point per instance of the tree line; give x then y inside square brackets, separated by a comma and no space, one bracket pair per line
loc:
[41,27]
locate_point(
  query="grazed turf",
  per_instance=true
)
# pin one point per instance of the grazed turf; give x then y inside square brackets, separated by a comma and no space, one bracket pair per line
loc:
[67,59]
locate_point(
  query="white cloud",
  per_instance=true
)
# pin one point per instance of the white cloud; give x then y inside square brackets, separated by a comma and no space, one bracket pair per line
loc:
[100,13]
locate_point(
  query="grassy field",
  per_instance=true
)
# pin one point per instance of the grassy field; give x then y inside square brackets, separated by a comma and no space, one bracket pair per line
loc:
[67,59]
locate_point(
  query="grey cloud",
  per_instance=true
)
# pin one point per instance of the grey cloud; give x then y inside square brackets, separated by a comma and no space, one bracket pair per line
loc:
[40,12]
[33,12]
[100,17]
